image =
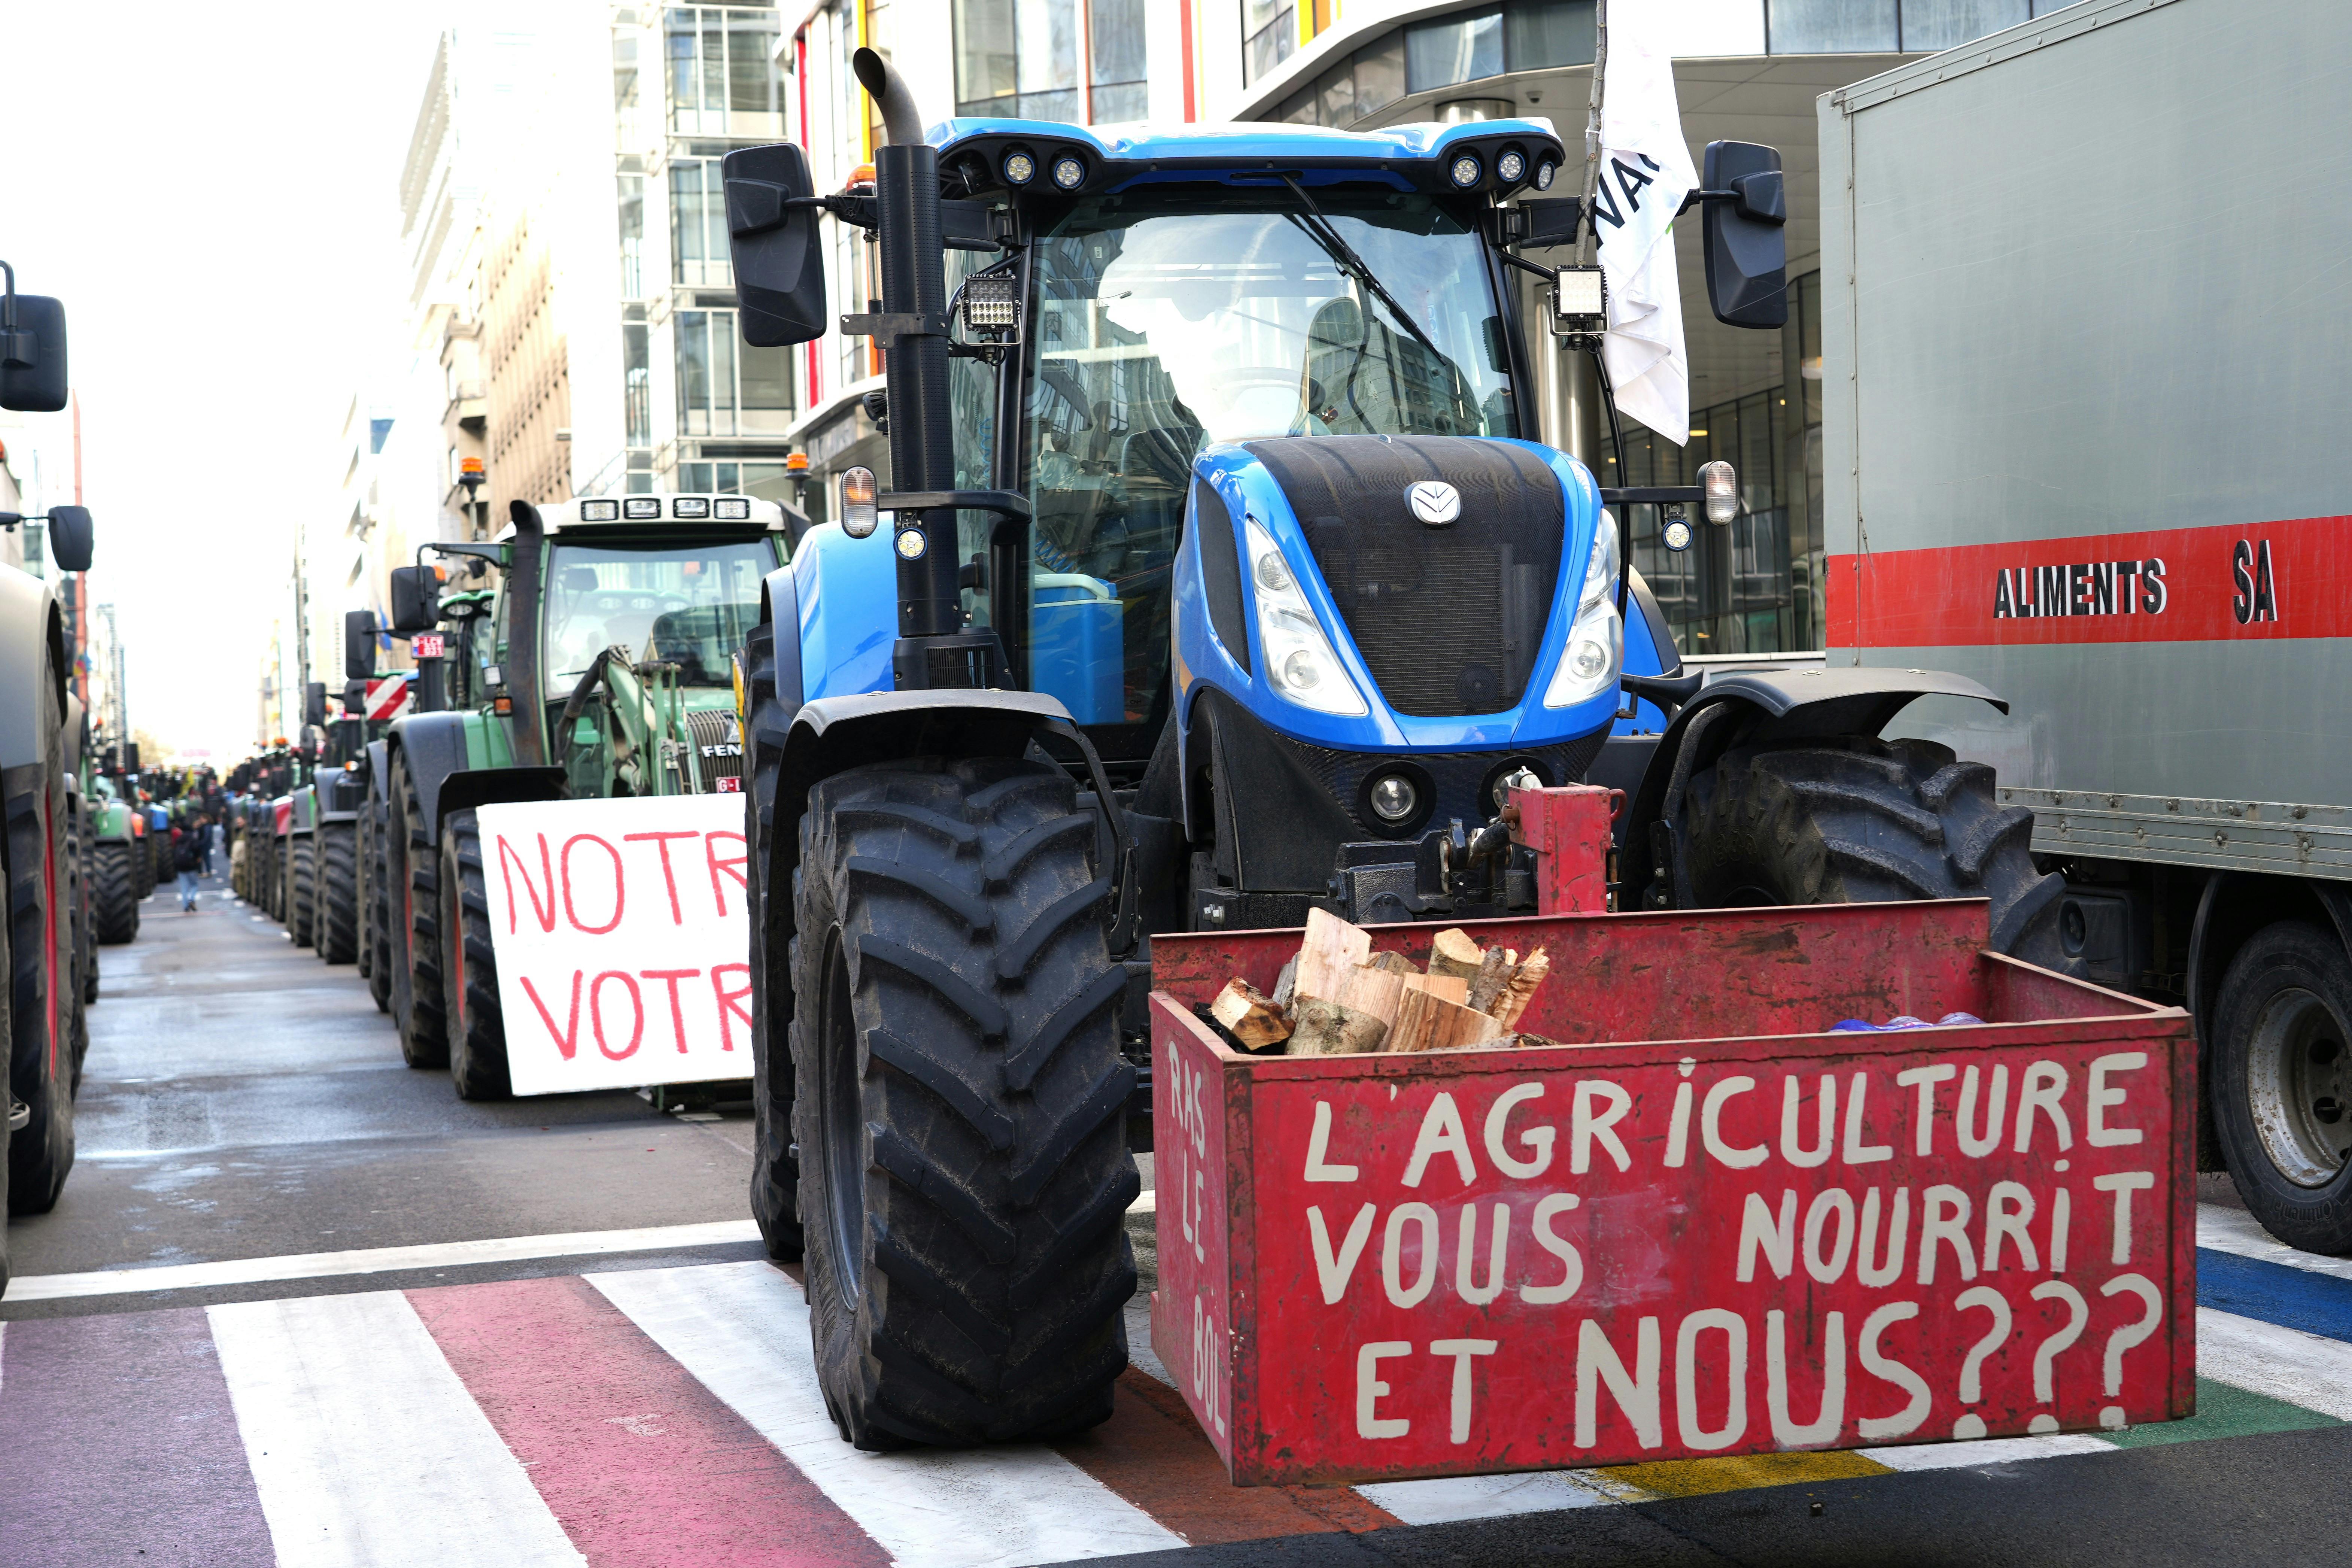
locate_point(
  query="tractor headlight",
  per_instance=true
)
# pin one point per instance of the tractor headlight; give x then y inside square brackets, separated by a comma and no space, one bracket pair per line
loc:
[1595,653]
[1601,573]
[1300,660]
[1589,665]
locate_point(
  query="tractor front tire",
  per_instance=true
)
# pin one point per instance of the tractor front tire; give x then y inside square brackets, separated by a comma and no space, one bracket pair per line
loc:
[46,992]
[375,918]
[960,1105]
[111,885]
[775,1157]
[477,1035]
[413,876]
[303,888]
[1854,819]
[339,892]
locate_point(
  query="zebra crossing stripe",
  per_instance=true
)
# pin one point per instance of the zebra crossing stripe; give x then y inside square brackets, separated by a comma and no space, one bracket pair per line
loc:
[2287,1365]
[642,1465]
[742,1329]
[365,1447]
[2221,1228]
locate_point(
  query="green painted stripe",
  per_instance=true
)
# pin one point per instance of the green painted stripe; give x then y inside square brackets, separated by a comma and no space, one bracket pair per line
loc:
[2223,1411]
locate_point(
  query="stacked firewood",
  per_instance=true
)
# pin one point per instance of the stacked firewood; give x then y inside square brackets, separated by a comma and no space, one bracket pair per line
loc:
[1337,997]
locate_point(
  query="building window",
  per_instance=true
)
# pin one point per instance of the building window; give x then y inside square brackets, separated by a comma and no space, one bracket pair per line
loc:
[1117,92]
[722,72]
[768,482]
[637,384]
[1544,35]
[1017,60]
[1269,34]
[1890,26]
[633,236]
[726,387]
[698,224]
[1455,49]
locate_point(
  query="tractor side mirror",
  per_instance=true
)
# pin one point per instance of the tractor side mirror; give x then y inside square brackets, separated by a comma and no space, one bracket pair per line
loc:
[779,257]
[1547,223]
[32,352]
[359,644]
[1747,236]
[415,599]
[129,756]
[71,539]
[314,705]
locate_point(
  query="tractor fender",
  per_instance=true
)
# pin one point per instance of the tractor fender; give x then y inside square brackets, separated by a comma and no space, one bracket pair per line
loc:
[1758,706]
[435,745]
[30,639]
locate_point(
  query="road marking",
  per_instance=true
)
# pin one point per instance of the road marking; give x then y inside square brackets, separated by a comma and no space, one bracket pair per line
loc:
[642,1465]
[743,1330]
[2285,1363]
[366,1448]
[1989,1451]
[2224,1230]
[377,1260]
[1483,1497]
[2276,1293]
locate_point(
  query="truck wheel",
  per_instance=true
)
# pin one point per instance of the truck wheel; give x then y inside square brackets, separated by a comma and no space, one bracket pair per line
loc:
[412,879]
[961,1112]
[110,891]
[1854,819]
[2280,1080]
[339,892]
[45,992]
[375,937]
[477,1033]
[303,888]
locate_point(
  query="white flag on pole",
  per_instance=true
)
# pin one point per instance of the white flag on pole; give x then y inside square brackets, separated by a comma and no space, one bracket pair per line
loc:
[1645,171]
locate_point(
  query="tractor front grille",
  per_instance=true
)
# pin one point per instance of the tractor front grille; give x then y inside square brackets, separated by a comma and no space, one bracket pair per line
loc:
[1448,618]
[718,742]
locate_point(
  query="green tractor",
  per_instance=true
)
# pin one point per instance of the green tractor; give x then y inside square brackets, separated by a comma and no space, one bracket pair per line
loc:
[600,667]
[117,840]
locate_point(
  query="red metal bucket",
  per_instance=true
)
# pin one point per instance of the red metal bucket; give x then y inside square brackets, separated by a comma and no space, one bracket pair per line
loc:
[1719,1229]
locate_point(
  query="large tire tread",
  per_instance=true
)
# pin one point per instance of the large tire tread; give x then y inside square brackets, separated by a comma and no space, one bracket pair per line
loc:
[339,892]
[477,1036]
[414,863]
[1855,819]
[115,907]
[301,888]
[993,1267]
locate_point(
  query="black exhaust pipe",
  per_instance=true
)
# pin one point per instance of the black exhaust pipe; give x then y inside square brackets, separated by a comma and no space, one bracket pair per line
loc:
[915,366]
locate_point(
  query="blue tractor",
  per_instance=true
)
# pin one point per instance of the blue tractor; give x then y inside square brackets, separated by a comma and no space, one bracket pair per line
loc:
[1223,581]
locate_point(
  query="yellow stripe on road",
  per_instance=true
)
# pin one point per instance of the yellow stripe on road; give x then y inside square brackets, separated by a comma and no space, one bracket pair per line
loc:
[1696,1477]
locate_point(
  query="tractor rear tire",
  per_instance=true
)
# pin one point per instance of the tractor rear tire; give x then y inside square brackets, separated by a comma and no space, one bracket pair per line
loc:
[961,1105]
[117,910]
[46,992]
[303,888]
[413,874]
[142,866]
[375,928]
[1854,819]
[478,1032]
[339,892]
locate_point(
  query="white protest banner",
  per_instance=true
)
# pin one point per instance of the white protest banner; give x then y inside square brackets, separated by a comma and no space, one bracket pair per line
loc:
[1645,171]
[622,940]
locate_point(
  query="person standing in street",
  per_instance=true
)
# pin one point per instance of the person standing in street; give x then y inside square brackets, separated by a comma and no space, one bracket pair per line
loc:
[188,859]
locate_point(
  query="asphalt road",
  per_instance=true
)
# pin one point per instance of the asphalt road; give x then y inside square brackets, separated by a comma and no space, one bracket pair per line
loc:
[653,1404]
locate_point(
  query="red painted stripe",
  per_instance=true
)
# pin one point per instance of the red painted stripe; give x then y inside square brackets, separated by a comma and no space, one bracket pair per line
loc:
[640,1463]
[2286,579]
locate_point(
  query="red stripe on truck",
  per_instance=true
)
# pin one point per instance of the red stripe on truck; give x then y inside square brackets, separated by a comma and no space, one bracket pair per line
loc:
[2288,579]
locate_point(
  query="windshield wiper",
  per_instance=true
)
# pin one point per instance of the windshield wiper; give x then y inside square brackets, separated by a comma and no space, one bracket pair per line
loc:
[1319,228]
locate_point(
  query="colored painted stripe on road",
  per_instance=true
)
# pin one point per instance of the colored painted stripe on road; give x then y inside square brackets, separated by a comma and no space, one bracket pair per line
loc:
[2275,1293]
[2223,1229]
[2223,1410]
[2302,1369]
[743,1330]
[642,1465]
[118,1444]
[379,1260]
[366,1449]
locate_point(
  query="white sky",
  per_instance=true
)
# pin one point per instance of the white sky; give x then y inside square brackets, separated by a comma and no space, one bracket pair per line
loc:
[211,190]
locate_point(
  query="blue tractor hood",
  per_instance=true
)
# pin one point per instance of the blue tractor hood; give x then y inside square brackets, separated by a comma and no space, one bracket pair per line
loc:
[1450,631]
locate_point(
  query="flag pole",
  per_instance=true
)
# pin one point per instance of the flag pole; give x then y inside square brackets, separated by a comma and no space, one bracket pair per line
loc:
[1586,237]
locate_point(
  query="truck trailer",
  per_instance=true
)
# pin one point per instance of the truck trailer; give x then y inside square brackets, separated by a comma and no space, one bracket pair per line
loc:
[2082,381]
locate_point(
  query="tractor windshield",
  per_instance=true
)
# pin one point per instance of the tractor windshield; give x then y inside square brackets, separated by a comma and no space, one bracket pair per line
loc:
[689,607]
[1162,325]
